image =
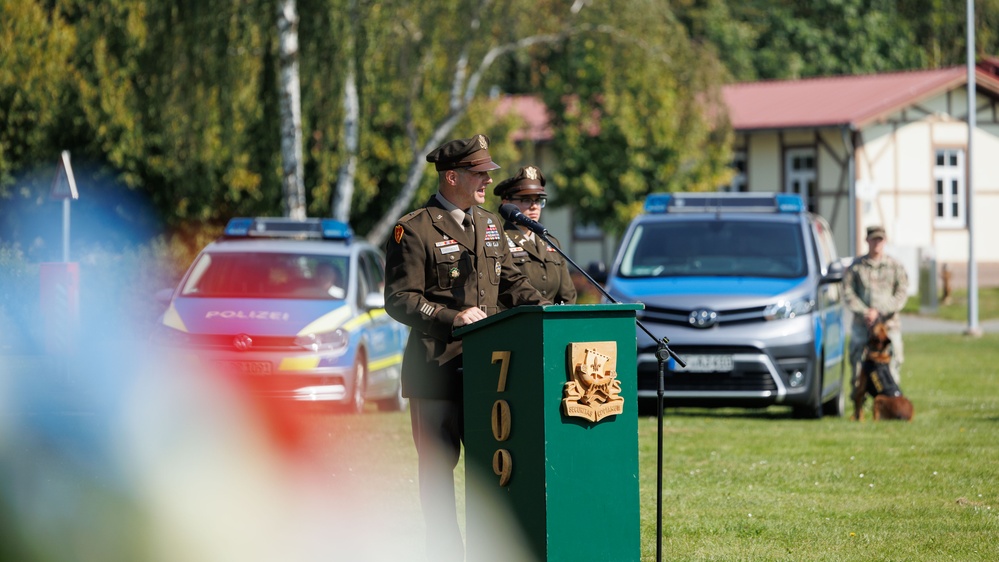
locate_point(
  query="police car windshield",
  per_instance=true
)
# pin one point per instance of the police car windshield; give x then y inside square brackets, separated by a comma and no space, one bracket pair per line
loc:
[715,248]
[255,275]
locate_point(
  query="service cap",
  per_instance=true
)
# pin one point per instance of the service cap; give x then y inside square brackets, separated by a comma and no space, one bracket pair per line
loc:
[528,181]
[471,154]
[876,232]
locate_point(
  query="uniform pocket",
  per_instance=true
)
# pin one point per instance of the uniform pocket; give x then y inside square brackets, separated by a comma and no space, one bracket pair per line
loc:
[453,269]
[493,262]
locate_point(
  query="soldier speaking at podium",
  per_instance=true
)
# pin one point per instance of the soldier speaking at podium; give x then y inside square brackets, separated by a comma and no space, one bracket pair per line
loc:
[448,264]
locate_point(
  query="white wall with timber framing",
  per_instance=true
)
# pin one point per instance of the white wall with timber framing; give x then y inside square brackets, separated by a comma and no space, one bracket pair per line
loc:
[894,169]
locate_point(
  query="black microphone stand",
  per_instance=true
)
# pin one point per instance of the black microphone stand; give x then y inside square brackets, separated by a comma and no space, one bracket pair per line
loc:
[663,354]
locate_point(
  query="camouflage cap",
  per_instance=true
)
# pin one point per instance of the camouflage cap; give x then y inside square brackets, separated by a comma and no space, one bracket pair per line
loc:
[876,232]
[471,154]
[528,181]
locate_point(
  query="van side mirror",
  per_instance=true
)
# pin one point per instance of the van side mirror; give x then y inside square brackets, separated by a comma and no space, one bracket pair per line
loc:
[834,273]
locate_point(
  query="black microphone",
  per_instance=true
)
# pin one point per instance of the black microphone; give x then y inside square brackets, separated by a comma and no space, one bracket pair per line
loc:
[510,212]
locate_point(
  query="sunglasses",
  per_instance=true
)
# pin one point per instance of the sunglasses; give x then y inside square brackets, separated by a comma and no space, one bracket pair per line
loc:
[539,201]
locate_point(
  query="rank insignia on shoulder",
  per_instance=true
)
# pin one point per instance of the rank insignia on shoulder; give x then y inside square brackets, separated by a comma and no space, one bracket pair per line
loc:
[398,233]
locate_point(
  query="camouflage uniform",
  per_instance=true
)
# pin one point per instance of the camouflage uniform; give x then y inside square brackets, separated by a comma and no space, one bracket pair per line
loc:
[882,285]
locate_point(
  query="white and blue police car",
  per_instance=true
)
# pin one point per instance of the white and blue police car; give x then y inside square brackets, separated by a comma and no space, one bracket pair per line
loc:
[747,287]
[296,305]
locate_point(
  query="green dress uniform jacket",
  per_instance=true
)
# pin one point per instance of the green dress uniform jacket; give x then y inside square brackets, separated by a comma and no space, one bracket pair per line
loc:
[547,270]
[434,270]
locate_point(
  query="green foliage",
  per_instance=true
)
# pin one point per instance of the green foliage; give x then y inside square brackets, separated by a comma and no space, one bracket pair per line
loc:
[177,101]
[766,39]
[632,113]
[35,45]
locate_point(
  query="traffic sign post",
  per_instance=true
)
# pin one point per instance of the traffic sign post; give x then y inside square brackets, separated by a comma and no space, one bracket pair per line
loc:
[60,305]
[64,188]
[60,282]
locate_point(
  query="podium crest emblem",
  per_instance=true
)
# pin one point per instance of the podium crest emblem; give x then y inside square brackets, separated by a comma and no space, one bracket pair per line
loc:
[593,391]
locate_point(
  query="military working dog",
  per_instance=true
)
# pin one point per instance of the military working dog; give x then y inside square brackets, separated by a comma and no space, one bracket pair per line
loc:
[875,378]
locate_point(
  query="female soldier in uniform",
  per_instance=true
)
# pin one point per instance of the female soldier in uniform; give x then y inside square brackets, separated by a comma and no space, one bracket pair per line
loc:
[544,266]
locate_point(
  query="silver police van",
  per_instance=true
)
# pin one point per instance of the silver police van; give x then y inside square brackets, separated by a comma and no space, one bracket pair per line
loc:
[747,287]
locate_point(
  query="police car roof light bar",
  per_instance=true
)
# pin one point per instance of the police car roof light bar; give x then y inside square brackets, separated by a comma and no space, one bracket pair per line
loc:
[282,227]
[657,203]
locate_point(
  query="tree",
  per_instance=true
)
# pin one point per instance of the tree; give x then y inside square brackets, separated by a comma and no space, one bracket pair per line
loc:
[636,111]
[35,47]
[293,188]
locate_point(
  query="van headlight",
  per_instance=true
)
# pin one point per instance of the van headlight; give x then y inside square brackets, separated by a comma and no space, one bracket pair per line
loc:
[324,341]
[785,309]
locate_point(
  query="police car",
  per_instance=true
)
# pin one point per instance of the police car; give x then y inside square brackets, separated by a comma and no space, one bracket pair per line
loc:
[297,307]
[747,287]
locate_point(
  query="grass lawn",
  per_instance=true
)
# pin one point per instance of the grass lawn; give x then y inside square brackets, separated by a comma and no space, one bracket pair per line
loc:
[957,308]
[759,485]
[738,484]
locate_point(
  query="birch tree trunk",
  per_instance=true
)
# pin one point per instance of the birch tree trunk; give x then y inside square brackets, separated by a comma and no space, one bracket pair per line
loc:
[344,192]
[292,169]
[464,85]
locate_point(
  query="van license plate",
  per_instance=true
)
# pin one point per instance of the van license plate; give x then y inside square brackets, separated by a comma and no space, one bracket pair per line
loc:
[705,364]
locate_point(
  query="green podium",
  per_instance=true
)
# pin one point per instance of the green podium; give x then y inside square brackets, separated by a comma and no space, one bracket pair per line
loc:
[551,434]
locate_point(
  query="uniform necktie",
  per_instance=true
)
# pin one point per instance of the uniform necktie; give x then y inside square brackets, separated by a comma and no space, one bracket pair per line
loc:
[469,227]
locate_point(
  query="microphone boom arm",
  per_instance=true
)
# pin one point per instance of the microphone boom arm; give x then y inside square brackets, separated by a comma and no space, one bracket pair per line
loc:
[662,342]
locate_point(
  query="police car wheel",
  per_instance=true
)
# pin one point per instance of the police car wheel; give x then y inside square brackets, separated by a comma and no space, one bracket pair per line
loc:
[356,405]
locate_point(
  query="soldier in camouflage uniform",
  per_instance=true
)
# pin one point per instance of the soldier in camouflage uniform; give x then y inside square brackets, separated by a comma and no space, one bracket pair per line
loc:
[447,264]
[875,286]
[543,265]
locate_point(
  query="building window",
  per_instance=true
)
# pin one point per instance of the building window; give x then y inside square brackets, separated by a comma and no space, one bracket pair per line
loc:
[738,165]
[800,175]
[948,175]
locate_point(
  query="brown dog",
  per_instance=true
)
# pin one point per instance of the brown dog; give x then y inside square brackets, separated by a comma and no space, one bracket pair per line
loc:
[875,379]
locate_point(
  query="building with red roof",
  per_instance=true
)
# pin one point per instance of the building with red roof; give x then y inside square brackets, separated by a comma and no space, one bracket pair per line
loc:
[888,149]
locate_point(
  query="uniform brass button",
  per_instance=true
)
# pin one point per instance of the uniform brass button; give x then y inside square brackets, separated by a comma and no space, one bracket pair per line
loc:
[482,292]
[452,258]
[480,275]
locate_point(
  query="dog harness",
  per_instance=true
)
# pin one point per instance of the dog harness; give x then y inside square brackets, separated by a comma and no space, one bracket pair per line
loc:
[880,380]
